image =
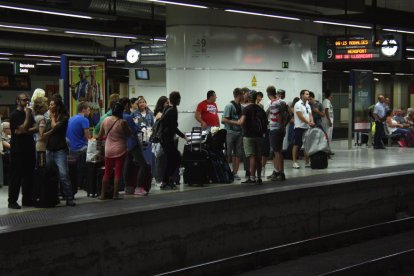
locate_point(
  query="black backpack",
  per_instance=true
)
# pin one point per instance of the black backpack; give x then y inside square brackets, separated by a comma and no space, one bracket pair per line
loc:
[260,121]
[158,129]
[285,113]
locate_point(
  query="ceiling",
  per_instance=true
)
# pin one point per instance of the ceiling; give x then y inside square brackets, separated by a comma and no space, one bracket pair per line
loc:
[145,20]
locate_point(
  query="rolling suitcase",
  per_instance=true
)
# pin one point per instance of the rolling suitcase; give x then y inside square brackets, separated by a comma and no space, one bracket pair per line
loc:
[196,160]
[91,185]
[73,174]
[45,192]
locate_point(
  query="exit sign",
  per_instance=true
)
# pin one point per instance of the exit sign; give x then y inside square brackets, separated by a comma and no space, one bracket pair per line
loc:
[24,67]
[285,64]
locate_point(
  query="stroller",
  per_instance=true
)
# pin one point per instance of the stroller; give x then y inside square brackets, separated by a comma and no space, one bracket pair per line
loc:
[317,147]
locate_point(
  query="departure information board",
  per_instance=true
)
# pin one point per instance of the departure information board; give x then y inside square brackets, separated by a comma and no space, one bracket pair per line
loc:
[386,47]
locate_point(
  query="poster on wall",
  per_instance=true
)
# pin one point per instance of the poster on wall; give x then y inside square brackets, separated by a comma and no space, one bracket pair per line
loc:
[86,82]
[361,82]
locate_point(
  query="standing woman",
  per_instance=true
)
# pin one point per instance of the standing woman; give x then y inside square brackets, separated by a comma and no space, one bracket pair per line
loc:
[39,109]
[56,146]
[160,160]
[170,129]
[143,116]
[116,130]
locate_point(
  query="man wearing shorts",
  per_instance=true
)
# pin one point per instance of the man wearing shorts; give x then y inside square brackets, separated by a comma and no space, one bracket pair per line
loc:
[303,121]
[254,123]
[231,115]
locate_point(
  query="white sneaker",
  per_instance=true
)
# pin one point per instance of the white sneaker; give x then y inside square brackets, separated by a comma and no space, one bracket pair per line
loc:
[295,165]
[236,177]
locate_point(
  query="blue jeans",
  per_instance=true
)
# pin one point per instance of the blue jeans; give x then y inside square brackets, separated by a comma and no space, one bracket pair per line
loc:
[60,158]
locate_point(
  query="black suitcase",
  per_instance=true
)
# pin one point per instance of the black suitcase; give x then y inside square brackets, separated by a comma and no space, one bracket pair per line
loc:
[73,175]
[45,192]
[196,159]
[319,160]
[197,165]
[91,185]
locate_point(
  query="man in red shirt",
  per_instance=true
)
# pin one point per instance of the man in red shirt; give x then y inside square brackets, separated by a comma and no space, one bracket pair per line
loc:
[206,113]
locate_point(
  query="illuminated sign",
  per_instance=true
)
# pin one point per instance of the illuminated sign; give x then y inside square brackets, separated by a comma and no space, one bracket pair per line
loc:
[24,67]
[360,48]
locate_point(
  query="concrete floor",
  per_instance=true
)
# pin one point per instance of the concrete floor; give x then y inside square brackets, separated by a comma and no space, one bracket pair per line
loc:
[357,158]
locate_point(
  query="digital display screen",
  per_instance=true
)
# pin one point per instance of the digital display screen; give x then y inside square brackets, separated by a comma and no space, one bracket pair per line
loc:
[141,74]
[385,47]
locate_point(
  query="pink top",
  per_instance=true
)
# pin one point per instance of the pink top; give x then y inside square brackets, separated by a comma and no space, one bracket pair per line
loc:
[115,144]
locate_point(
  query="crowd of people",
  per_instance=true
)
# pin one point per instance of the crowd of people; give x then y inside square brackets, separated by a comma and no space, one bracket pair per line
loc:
[41,132]
[393,122]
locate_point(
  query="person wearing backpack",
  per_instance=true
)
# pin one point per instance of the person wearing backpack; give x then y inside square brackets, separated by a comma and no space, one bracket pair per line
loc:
[279,117]
[231,115]
[303,121]
[169,127]
[254,123]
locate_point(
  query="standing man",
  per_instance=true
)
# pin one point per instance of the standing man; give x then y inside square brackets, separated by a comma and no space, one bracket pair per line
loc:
[379,115]
[317,110]
[78,135]
[231,115]
[254,123]
[22,153]
[206,113]
[329,115]
[277,133]
[303,121]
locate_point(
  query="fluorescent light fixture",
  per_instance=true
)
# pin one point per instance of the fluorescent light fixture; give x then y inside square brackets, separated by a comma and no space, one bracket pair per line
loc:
[152,54]
[263,14]
[398,31]
[43,56]
[346,72]
[6,54]
[403,74]
[179,4]
[412,58]
[23,28]
[159,39]
[116,60]
[51,60]
[104,35]
[381,73]
[44,64]
[4,58]
[410,49]
[44,11]
[343,24]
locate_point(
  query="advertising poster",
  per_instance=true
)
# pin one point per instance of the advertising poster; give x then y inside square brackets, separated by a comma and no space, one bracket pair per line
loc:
[361,81]
[87,83]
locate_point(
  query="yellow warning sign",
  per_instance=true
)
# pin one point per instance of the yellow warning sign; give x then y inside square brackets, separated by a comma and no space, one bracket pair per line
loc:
[254,81]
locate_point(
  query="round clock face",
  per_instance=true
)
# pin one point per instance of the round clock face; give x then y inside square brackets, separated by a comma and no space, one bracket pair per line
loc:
[132,56]
[389,48]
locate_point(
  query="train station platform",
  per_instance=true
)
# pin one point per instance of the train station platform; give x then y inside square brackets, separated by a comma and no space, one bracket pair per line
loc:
[172,229]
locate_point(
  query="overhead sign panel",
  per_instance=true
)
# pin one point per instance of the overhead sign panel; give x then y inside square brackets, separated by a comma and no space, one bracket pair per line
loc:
[386,47]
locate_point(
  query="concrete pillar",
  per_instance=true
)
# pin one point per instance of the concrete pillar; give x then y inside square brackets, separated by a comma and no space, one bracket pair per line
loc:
[217,50]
